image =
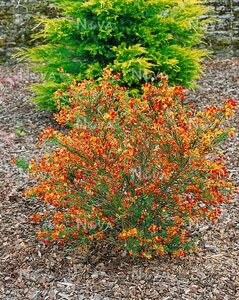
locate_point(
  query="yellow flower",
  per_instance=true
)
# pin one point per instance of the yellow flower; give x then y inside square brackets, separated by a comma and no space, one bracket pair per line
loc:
[106,116]
[232,131]
[147,255]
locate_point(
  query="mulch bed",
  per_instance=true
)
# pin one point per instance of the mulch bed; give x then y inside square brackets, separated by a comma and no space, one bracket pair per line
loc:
[31,270]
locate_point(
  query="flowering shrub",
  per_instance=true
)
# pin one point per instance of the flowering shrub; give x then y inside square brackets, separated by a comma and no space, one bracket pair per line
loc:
[131,171]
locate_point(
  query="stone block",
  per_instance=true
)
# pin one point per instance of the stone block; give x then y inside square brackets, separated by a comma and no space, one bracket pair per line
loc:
[16,22]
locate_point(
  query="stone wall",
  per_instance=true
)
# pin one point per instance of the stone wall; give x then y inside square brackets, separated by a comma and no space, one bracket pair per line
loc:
[223,36]
[16,21]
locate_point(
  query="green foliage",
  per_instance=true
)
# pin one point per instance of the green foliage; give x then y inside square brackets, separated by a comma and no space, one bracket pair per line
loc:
[22,164]
[138,38]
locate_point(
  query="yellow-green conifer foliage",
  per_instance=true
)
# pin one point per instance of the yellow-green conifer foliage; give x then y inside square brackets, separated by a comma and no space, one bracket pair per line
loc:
[138,38]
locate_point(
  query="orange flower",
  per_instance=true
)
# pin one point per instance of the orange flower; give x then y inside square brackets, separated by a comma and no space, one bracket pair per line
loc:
[146,255]
[153,228]
[179,253]
[125,234]
[131,170]
[37,217]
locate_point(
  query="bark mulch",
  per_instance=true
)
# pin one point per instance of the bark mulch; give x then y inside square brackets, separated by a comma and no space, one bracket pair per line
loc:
[30,270]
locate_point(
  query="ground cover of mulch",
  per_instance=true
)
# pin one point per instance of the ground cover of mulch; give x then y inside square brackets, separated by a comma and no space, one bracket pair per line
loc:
[31,270]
